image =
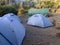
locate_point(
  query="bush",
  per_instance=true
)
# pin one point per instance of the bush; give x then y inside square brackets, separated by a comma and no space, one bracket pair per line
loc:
[10,9]
[1,11]
[7,9]
[22,11]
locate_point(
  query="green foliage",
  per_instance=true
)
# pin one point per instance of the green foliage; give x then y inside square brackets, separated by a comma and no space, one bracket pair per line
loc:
[43,11]
[1,10]
[49,4]
[23,11]
[2,2]
[7,9]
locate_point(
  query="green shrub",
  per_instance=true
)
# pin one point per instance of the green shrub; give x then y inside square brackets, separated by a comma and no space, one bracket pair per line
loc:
[7,9]
[1,10]
[23,11]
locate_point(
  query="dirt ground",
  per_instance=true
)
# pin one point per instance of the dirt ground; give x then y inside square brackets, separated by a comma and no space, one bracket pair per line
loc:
[41,36]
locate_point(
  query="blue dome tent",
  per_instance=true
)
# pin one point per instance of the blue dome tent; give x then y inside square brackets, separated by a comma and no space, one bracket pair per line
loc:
[11,15]
[12,32]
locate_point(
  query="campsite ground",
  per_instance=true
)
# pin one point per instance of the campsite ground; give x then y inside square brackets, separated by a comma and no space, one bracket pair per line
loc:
[41,36]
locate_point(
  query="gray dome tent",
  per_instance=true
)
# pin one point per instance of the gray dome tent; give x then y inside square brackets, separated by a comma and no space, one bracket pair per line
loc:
[40,21]
[11,15]
[12,32]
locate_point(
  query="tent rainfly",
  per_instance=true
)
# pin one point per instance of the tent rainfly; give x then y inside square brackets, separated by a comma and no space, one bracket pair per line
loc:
[12,32]
[11,15]
[39,20]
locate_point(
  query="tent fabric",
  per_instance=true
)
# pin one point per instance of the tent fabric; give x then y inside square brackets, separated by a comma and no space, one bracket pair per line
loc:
[11,15]
[13,30]
[39,20]
[43,11]
[7,32]
[18,29]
